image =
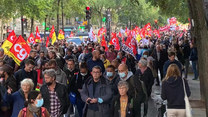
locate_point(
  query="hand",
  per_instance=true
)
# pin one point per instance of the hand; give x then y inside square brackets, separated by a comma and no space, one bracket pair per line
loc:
[88,100]
[9,91]
[94,100]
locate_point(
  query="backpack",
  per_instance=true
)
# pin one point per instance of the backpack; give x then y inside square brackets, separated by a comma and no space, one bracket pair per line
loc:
[24,112]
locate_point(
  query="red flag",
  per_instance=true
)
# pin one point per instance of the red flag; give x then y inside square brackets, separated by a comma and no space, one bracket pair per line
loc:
[164,28]
[37,36]
[31,39]
[103,43]
[147,26]
[20,50]
[71,35]
[47,41]
[12,37]
[52,31]
[130,46]
[9,42]
[114,41]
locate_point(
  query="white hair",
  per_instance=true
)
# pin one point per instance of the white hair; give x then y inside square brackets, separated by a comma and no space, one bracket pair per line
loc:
[28,81]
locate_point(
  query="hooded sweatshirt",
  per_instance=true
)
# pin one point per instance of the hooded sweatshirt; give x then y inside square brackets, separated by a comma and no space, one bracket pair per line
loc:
[173,92]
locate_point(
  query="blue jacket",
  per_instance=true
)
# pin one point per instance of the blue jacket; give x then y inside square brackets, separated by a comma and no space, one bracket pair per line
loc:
[173,92]
[17,100]
[168,62]
[193,54]
[91,64]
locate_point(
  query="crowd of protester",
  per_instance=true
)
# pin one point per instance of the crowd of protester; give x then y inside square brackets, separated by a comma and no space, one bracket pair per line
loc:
[90,82]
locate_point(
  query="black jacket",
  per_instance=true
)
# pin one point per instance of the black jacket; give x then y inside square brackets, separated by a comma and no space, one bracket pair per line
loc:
[77,82]
[21,74]
[147,78]
[186,51]
[62,94]
[22,64]
[70,74]
[130,110]
[173,92]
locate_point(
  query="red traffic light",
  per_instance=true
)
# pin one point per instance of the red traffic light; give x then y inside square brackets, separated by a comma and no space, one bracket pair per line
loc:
[87,8]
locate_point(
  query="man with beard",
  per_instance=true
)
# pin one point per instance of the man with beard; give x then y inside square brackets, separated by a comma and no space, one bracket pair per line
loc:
[54,94]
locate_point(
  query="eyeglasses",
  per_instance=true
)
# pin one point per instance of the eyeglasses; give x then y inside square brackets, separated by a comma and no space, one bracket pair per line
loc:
[96,72]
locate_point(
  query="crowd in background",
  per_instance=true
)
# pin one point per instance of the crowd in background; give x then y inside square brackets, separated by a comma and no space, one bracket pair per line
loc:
[90,82]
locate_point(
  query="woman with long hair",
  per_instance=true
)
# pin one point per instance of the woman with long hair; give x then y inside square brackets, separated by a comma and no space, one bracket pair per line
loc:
[34,106]
[173,92]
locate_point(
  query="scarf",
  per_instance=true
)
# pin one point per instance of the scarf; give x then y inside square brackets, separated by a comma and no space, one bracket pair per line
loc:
[33,109]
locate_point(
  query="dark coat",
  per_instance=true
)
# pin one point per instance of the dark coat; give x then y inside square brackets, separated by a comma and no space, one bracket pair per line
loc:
[113,84]
[186,51]
[77,82]
[21,74]
[91,64]
[173,92]
[70,74]
[17,99]
[102,91]
[62,95]
[22,64]
[162,60]
[167,63]
[193,54]
[147,78]
[130,111]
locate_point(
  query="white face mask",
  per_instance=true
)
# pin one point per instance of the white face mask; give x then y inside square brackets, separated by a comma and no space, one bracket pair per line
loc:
[83,74]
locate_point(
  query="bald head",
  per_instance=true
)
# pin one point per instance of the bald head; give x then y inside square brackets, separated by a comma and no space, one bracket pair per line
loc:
[123,71]
[122,67]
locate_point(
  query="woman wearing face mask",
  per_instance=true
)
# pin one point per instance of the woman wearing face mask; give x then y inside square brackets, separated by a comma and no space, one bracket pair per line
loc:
[34,109]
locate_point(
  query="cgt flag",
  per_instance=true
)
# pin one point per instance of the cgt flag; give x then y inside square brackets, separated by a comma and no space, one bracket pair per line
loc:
[9,42]
[114,41]
[103,43]
[31,39]
[53,35]
[61,34]
[37,36]
[20,50]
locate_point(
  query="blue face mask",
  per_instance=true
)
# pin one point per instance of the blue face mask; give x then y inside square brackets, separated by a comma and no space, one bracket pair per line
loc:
[39,103]
[122,75]
[109,74]
[118,57]
[145,56]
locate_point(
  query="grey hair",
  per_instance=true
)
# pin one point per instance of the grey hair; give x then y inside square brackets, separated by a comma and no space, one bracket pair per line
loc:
[143,62]
[28,81]
[123,83]
[50,72]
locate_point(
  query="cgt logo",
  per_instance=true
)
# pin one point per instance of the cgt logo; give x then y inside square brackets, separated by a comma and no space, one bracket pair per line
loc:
[21,52]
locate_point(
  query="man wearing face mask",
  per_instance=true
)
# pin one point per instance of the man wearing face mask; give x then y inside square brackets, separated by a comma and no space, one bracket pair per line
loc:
[54,94]
[60,75]
[136,89]
[112,79]
[77,83]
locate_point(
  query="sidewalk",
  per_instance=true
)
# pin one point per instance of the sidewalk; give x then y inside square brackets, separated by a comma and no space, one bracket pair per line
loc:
[198,107]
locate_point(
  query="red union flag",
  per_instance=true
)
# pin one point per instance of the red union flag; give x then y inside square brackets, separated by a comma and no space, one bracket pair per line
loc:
[20,50]
[114,41]
[164,28]
[37,36]
[9,42]
[31,39]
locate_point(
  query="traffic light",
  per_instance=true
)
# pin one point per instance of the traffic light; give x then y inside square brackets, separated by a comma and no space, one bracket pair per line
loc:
[88,12]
